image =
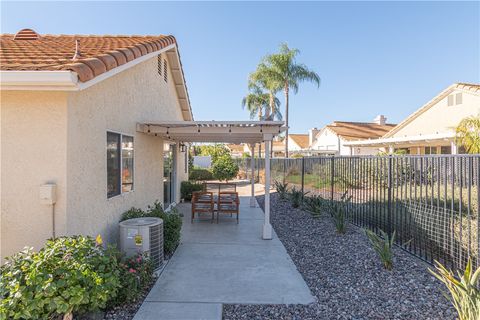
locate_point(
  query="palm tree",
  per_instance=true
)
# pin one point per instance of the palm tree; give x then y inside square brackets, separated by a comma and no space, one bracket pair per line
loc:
[258,79]
[467,134]
[282,71]
[257,101]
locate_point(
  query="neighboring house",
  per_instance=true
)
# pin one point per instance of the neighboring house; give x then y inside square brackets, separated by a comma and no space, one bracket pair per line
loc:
[298,143]
[278,149]
[237,150]
[332,139]
[431,129]
[69,109]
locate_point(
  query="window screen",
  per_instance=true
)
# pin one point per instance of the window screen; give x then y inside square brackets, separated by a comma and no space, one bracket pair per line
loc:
[113,164]
[127,163]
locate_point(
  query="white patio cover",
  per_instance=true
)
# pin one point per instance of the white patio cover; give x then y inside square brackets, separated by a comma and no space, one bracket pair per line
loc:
[234,132]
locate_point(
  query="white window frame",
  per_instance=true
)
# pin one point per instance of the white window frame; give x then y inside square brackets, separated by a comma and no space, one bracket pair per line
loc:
[121,163]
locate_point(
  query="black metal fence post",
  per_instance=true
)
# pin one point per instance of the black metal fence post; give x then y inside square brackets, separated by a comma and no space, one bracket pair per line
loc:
[332,175]
[303,176]
[389,195]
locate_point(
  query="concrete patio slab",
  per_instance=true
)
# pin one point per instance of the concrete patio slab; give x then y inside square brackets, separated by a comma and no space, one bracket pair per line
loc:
[225,263]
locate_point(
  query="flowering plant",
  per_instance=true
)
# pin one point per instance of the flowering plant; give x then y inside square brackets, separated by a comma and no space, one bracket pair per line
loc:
[136,274]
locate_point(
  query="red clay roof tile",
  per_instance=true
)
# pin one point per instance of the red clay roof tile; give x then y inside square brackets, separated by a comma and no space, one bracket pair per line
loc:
[99,54]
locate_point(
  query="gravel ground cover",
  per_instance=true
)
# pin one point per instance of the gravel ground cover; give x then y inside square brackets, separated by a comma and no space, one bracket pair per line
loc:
[345,275]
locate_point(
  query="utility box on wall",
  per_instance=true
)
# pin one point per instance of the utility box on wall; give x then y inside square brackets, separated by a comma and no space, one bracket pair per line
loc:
[48,193]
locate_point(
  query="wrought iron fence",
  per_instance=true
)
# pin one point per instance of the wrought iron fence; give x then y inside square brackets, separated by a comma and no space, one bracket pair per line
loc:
[431,202]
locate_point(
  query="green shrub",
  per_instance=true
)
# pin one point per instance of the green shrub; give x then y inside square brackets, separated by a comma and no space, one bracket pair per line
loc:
[187,188]
[198,174]
[383,246]
[339,213]
[296,197]
[224,168]
[282,189]
[172,224]
[136,274]
[69,275]
[464,290]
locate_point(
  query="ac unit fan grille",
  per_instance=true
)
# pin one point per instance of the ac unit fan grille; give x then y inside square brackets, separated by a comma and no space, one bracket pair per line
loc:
[156,245]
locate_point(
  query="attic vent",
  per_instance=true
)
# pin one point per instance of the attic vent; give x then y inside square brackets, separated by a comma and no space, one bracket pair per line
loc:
[26,34]
[159,64]
[165,70]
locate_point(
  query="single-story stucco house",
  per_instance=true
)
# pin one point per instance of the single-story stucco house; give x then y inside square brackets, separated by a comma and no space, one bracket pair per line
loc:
[333,138]
[69,109]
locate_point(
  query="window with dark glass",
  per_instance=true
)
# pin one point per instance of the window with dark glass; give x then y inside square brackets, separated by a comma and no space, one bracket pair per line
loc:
[120,163]
[113,164]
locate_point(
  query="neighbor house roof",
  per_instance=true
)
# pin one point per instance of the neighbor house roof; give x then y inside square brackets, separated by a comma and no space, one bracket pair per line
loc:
[28,50]
[462,86]
[359,130]
[300,139]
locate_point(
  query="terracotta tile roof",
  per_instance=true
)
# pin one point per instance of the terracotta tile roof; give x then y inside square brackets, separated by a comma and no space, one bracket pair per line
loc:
[300,139]
[359,130]
[98,54]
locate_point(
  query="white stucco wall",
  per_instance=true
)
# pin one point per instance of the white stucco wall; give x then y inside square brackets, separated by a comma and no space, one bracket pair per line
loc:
[442,118]
[33,142]
[329,140]
[326,140]
[61,137]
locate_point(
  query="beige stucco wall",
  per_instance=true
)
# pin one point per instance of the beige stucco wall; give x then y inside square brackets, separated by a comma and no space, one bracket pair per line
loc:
[442,118]
[33,142]
[138,94]
[61,137]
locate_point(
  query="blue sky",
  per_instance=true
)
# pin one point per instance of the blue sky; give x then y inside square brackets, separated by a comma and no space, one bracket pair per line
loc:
[373,57]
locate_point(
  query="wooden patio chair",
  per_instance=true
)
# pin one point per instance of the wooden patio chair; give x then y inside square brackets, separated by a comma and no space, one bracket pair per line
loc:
[228,202]
[202,202]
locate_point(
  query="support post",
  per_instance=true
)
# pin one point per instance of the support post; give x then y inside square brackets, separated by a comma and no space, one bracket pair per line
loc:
[453,147]
[267,227]
[252,178]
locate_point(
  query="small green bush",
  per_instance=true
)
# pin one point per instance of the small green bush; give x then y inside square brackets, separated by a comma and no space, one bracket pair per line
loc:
[69,275]
[224,168]
[136,274]
[198,174]
[382,244]
[464,289]
[282,189]
[187,188]
[172,224]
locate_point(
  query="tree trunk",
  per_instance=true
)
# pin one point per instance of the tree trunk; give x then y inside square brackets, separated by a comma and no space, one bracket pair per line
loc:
[286,119]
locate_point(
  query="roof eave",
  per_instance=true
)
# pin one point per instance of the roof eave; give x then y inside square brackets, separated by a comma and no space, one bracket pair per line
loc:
[61,80]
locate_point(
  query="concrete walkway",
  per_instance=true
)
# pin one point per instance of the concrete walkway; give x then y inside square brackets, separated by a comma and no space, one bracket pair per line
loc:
[224,263]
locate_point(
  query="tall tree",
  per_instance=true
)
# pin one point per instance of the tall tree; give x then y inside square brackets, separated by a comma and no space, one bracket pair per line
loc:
[257,101]
[282,70]
[468,134]
[258,80]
